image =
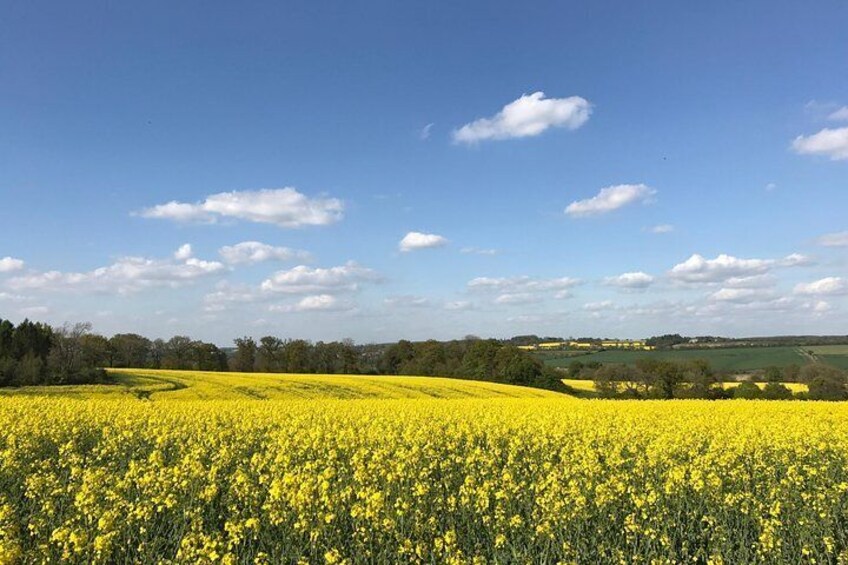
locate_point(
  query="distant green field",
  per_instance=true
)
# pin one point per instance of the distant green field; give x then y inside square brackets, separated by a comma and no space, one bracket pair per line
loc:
[729,359]
[836,355]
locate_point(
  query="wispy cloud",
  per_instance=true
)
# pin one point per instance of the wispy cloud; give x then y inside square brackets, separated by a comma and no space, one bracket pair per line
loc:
[425,132]
[836,239]
[661,228]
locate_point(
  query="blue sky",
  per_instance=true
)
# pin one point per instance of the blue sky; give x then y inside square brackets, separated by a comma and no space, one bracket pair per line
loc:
[531,151]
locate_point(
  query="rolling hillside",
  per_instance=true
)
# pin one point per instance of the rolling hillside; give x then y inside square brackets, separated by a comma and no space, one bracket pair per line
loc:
[193,385]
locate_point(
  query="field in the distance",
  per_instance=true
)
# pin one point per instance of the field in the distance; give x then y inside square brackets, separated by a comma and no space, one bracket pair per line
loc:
[198,385]
[724,359]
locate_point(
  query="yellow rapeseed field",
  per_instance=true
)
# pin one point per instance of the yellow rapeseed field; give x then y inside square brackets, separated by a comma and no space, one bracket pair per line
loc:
[421,480]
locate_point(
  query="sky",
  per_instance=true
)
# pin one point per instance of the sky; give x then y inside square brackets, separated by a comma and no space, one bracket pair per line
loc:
[387,170]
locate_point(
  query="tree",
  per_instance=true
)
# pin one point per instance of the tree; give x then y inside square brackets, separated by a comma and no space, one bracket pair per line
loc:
[660,377]
[747,390]
[773,374]
[130,350]
[395,356]
[776,391]
[824,382]
[479,360]
[269,355]
[177,353]
[514,366]
[244,359]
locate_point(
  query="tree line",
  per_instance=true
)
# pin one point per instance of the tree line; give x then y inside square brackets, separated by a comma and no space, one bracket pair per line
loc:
[34,353]
[664,379]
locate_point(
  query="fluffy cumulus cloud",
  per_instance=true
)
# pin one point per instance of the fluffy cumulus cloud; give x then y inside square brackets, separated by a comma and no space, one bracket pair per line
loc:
[416,240]
[609,199]
[832,143]
[126,275]
[318,281]
[836,239]
[9,264]
[633,281]
[825,286]
[316,303]
[698,269]
[251,252]
[528,116]
[283,207]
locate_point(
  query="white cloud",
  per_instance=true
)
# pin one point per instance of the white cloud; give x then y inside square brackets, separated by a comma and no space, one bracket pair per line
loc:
[724,267]
[316,303]
[425,131]
[527,116]
[770,186]
[752,281]
[126,275]
[251,252]
[417,240]
[821,306]
[839,115]
[836,239]
[738,295]
[227,295]
[9,264]
[794,260]
[406,301]
[34,310]
[517,298]
[478,251]
[598,306]
[183,253]
[609,199]
[309,280]
[459,305]
[512,285]
[825,286]
[283,207]
[830,142]
[634,280]
[662,228]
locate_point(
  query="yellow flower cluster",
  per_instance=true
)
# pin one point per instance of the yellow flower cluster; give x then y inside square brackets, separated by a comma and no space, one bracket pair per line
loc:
[422,481]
